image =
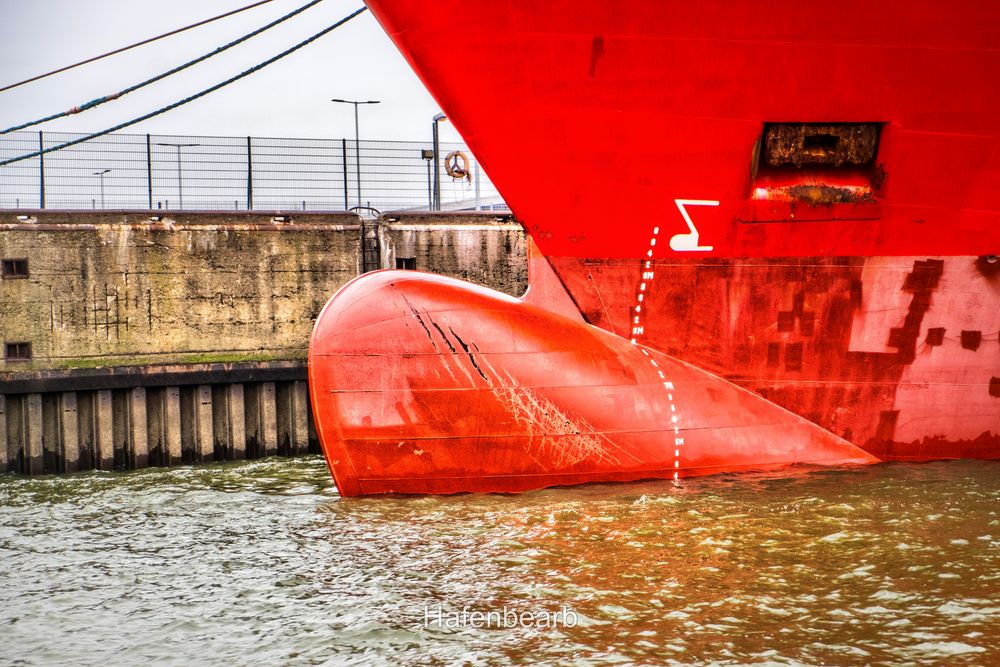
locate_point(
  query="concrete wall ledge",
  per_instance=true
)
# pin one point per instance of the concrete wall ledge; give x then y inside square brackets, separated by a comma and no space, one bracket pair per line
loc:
[166,220]
[152,375]
[447,218]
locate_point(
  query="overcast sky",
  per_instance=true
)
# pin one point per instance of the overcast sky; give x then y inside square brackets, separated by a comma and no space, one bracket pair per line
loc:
[290,98]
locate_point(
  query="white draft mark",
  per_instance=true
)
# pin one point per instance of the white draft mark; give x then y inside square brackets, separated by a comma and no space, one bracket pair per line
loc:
[689,242]
[638,326]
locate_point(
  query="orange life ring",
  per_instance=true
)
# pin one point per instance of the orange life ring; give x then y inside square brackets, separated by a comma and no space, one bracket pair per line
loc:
[454,169]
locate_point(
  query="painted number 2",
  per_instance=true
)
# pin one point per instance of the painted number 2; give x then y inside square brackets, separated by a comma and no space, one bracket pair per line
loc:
[688,242]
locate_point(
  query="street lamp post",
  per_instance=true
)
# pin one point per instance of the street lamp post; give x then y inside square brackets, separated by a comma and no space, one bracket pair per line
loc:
[180,184]
[357,152]
[100,175]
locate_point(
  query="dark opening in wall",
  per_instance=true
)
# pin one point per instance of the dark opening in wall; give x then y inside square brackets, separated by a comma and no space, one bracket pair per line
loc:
[14,268]
[406,263]
[793,357]
[886,429]
[856,293]
[820,144]
[926,275]
[935,336]
[807,323]
[773,354]
[17,351]
[897,337]
[971,340]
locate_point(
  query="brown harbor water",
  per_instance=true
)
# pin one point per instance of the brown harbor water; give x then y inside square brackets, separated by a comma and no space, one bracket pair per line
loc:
[262,563]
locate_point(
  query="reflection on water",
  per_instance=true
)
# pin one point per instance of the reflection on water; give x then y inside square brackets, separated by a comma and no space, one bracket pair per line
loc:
[262,563]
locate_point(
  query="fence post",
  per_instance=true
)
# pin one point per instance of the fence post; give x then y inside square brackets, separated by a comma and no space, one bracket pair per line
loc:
[249,176]
[41,170]
[149,173]
[430,191]
[343,150]
[475,169]
[357,157]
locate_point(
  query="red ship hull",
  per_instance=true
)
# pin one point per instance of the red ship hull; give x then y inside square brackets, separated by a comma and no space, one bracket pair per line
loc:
[861,293]
[425,384]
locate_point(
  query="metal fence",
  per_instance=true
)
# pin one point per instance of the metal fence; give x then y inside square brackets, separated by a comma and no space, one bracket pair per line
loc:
[139,171]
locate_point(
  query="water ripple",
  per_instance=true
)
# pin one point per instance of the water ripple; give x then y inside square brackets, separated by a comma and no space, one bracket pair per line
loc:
[262,563]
